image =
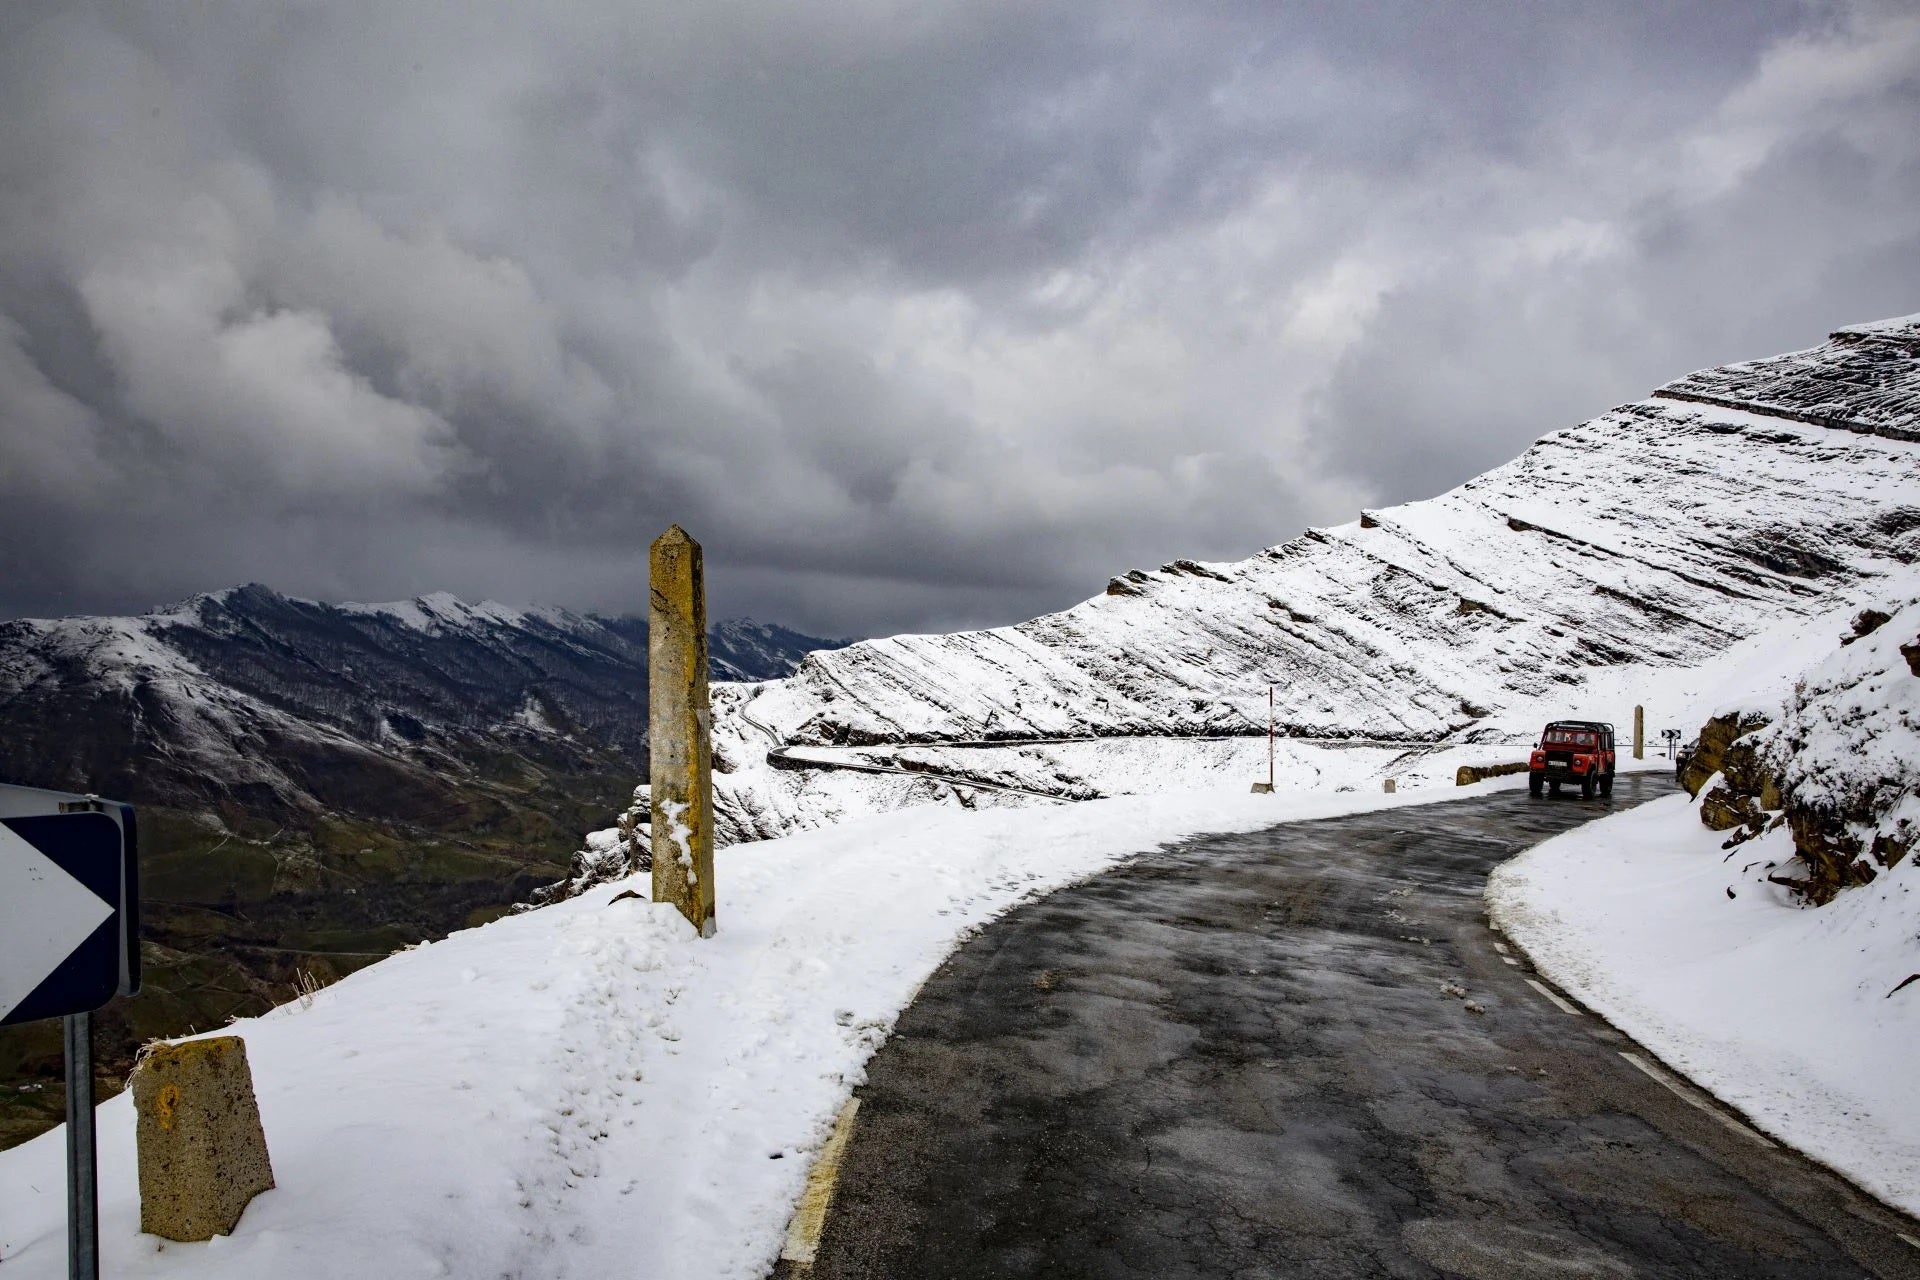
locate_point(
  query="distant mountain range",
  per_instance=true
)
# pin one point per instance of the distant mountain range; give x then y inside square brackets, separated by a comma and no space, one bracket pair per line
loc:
[320,784]
[283,707]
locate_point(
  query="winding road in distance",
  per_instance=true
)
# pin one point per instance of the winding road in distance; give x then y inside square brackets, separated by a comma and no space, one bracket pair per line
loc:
[1302,1053]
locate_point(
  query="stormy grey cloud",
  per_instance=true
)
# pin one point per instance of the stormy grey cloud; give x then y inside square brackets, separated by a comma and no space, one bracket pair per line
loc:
[919,316]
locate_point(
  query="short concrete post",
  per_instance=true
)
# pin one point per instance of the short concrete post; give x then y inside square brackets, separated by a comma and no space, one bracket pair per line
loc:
[680,729]
[202,1152]
[1389,786]
[1639,733]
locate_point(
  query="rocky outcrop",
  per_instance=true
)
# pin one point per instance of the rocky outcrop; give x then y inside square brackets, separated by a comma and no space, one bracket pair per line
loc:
[1839,767]
[1706,755]
[1468,774]
[609,855]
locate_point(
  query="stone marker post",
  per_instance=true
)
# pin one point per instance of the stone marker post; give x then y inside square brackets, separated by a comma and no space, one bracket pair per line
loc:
[202,1152]
[1639,733]
[680,729]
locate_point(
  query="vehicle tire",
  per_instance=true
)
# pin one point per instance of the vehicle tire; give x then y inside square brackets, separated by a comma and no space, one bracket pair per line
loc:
[1586,787]
[1535,785]
[1606,786]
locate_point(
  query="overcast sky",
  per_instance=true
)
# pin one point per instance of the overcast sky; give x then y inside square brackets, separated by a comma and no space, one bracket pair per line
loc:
[919,315]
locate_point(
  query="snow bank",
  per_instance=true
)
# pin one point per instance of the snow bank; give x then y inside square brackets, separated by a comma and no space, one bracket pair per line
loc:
[1785,1012]
[1705,944]
[588,1090]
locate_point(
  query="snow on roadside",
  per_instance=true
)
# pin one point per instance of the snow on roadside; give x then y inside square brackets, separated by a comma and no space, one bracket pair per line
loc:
[1785,1012]
[588,1089]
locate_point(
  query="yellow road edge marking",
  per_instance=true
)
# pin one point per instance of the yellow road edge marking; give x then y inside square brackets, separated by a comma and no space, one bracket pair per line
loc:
[1699,1104]
[1552,995]
[810,1219]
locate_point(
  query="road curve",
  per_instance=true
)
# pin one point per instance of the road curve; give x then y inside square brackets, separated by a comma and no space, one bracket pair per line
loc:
[1255,1056]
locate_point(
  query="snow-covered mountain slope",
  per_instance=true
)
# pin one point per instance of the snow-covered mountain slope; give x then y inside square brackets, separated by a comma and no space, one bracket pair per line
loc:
[1649,539]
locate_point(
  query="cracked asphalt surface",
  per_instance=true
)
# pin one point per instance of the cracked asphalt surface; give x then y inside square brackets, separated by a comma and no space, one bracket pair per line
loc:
[1238,1056]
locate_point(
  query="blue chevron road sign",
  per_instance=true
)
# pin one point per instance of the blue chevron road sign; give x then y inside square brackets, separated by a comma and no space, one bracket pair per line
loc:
[69,904]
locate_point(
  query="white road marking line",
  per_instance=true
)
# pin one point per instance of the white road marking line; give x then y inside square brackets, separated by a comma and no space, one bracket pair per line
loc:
[1552,995]
[803,1233]
[1909,1239]
[1687,1096]
[1501,947]
[1510,960]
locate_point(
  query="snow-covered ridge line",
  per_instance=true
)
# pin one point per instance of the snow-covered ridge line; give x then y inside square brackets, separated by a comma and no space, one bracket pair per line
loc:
[428,612]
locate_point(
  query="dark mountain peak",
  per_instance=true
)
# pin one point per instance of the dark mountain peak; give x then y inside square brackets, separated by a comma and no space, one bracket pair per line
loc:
[744,627]
[739,649]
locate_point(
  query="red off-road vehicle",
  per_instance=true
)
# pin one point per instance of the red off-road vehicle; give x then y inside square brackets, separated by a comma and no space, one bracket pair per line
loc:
[1576,751]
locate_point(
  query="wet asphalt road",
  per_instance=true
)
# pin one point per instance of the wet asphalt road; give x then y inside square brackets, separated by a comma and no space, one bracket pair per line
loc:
[1234,1057]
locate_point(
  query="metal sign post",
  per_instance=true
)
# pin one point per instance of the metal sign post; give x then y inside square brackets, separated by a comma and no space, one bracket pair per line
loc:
[83,1208]
[69,943]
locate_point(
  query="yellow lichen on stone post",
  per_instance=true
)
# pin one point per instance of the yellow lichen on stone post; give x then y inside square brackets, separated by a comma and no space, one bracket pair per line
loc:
[680,729]
[1639,733]
[202,1152]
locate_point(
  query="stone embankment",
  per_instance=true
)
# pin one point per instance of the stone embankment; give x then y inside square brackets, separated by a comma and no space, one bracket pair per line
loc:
[1468,774]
